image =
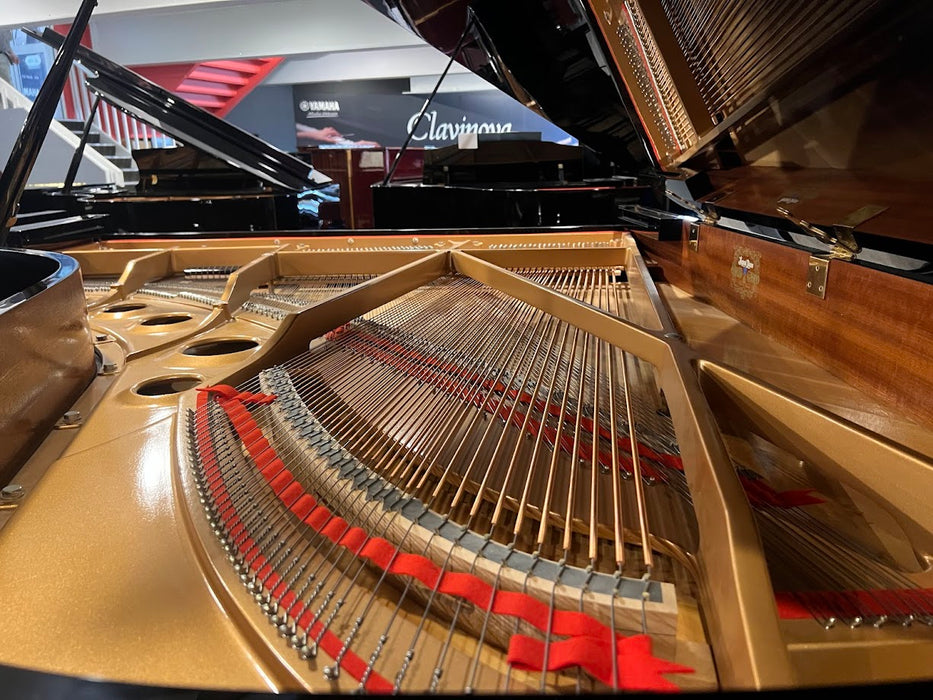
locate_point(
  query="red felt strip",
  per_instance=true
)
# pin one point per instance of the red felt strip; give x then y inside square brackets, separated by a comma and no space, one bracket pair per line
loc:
[329,642]
[317,517]
[636,668]
[303,506]
[578,626]
[808,604]
[281,482]
[291,494]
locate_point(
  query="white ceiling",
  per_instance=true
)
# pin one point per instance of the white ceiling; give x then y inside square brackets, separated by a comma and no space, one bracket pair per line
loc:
[27,12]
[237,29]
[322,40]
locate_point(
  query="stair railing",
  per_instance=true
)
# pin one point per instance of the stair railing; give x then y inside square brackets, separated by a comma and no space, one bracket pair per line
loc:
[124,129]
[28,144]
[11,98]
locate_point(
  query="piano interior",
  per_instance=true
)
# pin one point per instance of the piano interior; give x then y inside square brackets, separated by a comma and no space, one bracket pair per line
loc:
[687,450]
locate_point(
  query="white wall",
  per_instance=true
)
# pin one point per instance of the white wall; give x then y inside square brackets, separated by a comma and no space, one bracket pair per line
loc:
[54,158]
[266,28]
[185,31]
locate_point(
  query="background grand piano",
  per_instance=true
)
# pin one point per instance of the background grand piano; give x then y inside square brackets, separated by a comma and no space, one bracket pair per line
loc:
[216,177]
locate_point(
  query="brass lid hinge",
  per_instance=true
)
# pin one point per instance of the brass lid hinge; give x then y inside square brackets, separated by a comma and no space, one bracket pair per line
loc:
[817,274]
[693,236]
[844,245]
[841,238]
[704,214]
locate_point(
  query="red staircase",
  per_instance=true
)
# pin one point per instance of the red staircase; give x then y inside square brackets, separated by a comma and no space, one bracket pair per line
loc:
[215,86]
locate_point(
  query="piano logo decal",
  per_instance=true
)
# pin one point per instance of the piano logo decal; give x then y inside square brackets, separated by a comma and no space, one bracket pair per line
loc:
[432,129]
[320,108]
[746,272]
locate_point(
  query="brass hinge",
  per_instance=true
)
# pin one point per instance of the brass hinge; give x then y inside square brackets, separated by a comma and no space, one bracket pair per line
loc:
[693,236]
[703,212]
[705,215]
[817,274]
[841,238]
[844,245]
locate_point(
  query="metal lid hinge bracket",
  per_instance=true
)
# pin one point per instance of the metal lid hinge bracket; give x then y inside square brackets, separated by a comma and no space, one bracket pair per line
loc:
[841,240]
[693,236]
[817,274]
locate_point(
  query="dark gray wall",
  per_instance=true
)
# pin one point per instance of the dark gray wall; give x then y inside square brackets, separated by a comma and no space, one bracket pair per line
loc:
[268,112]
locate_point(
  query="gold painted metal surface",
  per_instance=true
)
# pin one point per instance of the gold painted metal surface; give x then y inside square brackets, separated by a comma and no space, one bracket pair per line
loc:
[115,576]
[293,335]
[122,580]
[903,484]
[132,326]
[141,270]
[817,274]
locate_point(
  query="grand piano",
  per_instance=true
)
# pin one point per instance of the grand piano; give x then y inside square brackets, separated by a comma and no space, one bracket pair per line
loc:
[218,178]
[689,449]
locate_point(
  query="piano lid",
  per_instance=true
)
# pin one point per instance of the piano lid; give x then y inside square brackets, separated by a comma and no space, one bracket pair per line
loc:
[804,97]
[675,77]
[190,124]
[549,60]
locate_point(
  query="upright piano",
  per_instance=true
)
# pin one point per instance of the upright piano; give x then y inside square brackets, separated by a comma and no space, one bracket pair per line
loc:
[687,449]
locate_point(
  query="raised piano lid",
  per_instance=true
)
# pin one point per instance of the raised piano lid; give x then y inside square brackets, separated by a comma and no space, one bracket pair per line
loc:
[817,107]
[190,124]
[547,61]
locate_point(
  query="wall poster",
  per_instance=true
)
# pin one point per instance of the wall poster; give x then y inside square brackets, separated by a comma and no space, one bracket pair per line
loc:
[378,113]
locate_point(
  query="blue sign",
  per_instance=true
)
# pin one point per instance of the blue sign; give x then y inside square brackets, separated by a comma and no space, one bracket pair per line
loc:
[32,72]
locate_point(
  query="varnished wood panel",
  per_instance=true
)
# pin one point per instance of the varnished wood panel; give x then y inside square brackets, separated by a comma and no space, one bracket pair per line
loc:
[873,329]
[826,197]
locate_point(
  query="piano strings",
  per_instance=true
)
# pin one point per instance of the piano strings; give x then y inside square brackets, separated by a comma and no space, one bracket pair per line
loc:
[511,437]
[294,293]
[466,466]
